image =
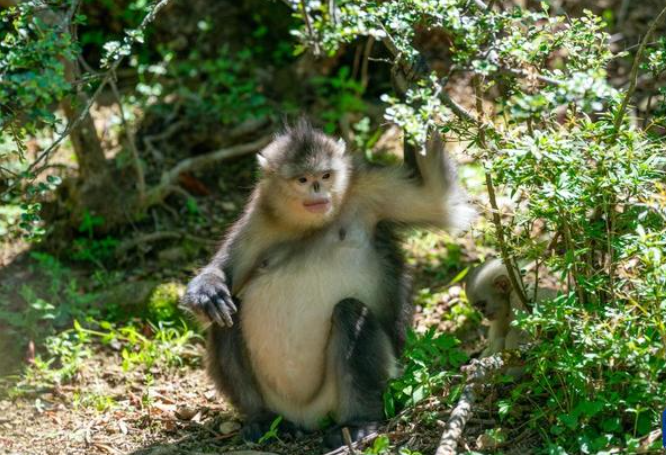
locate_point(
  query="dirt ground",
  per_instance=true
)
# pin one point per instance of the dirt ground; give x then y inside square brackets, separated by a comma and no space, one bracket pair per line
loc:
[175,410]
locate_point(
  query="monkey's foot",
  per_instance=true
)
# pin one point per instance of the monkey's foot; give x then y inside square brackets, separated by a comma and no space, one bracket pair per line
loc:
[334,439]
[253,430]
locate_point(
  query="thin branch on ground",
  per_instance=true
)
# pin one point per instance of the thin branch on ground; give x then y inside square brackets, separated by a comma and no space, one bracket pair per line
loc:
[149,140]
[169,178]
[348,440]
[140,240]
[249,126]
[478,372]
[344,450]
[633,75]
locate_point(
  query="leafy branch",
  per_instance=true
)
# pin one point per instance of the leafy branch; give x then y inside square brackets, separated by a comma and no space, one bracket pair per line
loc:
[114,59]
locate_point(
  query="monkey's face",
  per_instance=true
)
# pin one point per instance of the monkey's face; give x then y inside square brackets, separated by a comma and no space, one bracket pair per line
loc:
[493,308]
[306,177]
[488,289]
[313,193]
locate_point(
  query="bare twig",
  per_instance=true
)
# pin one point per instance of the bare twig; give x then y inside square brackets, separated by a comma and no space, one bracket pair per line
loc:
[8,171]
[169,178]
[70,14]
[140,240]
[478,372]
[366,58]
[333,12]
[622,15]
[149,140]
[481,5]
[573,272]
[247,127]
[345,450]
[527,75]
[499,229]
[311,34]
[633,75]
[347,437]
[407,68]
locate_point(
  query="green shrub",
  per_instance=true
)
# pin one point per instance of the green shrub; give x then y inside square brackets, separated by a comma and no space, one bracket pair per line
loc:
[163,302]
[587,191]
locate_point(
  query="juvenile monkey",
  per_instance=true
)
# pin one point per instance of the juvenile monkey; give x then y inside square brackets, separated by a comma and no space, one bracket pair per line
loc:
[308,297]
[488,288]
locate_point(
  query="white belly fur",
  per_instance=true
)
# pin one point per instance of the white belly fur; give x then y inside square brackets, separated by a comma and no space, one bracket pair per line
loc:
[286,322]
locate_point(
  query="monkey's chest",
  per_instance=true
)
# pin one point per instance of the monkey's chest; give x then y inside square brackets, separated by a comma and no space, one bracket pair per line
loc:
[286,312]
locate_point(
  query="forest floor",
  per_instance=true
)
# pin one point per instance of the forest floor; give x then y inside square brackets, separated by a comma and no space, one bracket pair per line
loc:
[123,380]
[126,380]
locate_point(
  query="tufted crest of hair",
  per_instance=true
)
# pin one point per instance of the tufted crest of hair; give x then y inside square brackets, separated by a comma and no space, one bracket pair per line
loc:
[300,149]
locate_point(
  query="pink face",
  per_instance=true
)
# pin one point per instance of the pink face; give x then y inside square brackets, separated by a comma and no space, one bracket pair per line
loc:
[314,191]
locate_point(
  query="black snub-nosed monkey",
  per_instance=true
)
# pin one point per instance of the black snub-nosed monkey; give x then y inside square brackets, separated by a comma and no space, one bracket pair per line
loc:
[307,300]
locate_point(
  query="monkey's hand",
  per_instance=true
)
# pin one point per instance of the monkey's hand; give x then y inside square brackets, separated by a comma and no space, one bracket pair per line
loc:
[208,296]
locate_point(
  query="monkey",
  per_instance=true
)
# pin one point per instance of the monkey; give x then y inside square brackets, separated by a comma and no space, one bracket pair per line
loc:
[307,301]
[489,289]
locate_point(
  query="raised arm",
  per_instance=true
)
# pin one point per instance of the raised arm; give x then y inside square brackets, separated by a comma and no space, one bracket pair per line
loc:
[436,200]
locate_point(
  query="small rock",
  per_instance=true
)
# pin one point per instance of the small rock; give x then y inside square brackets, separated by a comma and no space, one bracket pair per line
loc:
[186,413]
[210,395]
[229,427]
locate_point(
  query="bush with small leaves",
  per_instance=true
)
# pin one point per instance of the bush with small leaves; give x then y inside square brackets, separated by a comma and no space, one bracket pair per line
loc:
[588,191]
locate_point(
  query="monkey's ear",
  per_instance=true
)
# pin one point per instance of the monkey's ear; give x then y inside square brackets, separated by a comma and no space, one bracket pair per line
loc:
[263,162]
[502,284]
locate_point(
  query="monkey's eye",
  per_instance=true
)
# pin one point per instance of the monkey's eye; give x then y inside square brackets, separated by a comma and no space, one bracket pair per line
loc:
[326,176]
[302,180]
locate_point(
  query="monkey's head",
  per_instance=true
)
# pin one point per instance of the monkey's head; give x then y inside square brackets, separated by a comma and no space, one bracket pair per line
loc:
[305,176]
[488,289]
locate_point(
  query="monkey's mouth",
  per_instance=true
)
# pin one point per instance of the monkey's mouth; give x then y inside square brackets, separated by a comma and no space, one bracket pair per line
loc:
[317,205]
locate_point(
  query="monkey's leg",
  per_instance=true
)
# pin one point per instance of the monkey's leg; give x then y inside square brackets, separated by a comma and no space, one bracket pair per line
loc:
[363,360]
[229,366]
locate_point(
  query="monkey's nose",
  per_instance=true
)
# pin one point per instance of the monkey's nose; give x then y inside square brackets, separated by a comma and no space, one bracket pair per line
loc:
[316,186]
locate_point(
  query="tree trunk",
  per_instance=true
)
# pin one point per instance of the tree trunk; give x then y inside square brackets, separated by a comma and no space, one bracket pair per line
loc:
[86,143]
